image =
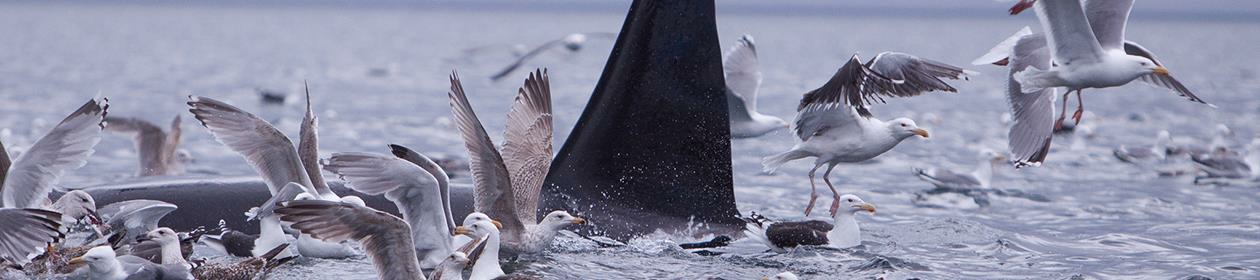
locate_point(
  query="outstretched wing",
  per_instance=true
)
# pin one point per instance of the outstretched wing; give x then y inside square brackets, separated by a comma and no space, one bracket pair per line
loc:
[264,147]
[525,57]
[1033,113]
[1107,18]
[492,190]
[1163,81]
[308,148]
[25,231]
[66,147]
[743,78]
[443,180]
[527,144]
[414,189]
[386,238]
[905,75]
[150,142]
[1071,39]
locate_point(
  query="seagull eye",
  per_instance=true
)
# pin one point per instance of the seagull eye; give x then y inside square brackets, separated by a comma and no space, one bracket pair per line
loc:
[903,125]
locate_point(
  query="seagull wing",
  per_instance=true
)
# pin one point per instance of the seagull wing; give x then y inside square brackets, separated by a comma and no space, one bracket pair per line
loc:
[832,106]
[443,180]
[792,234]
[1071,39]
[1000,54]
[66,147]
[150,142]
[264,147]
[525,57]
[1033,113]
[1163,81]
[170,146]
[492,190]
[406,184]
[139,215]
[945,177]
[905,75]
[743,78]
[1107,18]
[308,148]
[527,144]
[386,238]
[25,231]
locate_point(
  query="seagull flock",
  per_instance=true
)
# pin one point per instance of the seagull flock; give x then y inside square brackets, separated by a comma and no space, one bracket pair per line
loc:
[1082,46]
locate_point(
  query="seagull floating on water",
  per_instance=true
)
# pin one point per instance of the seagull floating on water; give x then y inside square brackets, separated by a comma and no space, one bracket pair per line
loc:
[743,79]
[834,125]
[842,232]
[978,178]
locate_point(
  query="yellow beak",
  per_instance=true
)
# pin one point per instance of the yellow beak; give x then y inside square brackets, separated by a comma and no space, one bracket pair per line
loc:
[579,221]
[464,231]
[77,261]
[868,207]
[497,224]
[920,132]
[1161,70]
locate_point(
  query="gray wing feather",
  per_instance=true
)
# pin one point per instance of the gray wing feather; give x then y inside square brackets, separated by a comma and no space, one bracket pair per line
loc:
[743,78]
[308,148]
[443,180]
[906,75]
[66,147]
[527,144]
[25,231]
[1107,18]
[149,141]
[1033,113]
[137,216]
[386,238]
[264,147]
[1071,40]
[492,190]
[948,178]
[1163,81]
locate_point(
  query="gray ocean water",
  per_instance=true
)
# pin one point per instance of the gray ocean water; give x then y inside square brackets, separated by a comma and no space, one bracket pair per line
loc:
[378,76]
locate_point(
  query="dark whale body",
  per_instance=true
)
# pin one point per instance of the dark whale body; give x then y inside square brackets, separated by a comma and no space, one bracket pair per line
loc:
[651,150]
[204,201]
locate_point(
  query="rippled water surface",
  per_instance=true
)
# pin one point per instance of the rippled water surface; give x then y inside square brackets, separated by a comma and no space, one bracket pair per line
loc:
[1083,213]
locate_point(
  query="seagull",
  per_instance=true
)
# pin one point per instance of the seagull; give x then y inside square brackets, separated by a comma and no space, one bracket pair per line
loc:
[274,157]
[842,232]
[152,250]
[1142,155]
[786,275]
[416,185]
[459,241]
[135,217]
[1089,51]
[240,244]
[573,42]
[742,82]
[978,178]
[169,242]
[507,186]
[247,269]
[386,238]
[834,125]
[1228,168]
[486,259]
[452,267]
[104,264]
[159,150]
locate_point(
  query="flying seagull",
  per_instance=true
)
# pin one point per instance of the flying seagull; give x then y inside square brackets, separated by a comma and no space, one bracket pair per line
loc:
[742,82]
[159,150]
[507,185]
[834,125]
[572,42]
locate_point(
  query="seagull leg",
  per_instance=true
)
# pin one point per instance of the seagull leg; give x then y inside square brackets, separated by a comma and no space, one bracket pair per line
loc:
[1080,107]
[1058,124]
[835,195]
[813,191]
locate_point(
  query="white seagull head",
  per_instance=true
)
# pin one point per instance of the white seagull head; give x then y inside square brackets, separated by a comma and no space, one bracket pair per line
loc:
[560,218]
[853,204]
[902,128]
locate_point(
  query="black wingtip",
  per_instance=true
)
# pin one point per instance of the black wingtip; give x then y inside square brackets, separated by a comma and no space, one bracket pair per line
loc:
[398,150]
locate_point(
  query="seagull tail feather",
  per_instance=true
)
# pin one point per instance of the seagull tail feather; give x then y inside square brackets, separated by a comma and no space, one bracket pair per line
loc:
[772,163]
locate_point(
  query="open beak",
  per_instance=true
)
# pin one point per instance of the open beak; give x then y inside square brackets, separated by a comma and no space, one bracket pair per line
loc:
[77,261]
[496,223]
[1161,70]
[867,206]
[920,132]
[579,221]
[464,231]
